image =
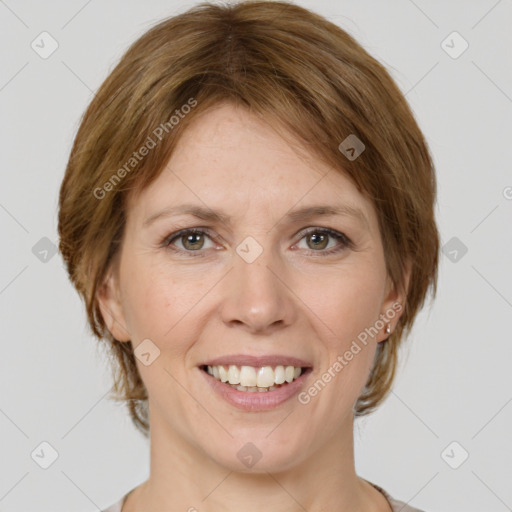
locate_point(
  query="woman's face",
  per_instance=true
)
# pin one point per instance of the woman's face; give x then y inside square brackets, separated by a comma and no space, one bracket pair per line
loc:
[260,281]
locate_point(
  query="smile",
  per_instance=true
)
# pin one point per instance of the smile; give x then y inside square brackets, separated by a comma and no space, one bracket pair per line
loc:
[255,383]
[254,379]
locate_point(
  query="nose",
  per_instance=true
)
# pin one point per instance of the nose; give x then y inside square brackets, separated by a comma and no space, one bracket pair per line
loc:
[256,296]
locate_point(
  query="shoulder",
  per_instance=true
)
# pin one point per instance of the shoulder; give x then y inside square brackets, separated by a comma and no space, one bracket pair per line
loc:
[117,506]
[396,505]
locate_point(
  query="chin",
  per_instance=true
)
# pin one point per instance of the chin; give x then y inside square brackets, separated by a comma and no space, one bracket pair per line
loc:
[259,455]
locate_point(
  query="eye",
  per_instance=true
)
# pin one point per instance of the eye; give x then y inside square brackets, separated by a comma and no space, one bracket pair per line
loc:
[191,240]
[317,240]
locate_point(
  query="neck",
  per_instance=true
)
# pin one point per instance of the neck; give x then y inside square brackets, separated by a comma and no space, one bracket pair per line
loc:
[184,477]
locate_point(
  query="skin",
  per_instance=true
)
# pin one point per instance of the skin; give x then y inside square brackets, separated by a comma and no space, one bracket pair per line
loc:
[291,300]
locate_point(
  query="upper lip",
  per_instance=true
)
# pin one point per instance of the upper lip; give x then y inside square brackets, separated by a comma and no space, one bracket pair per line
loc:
[257,361]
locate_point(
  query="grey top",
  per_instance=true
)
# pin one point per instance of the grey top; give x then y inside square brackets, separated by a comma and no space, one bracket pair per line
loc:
[396,506]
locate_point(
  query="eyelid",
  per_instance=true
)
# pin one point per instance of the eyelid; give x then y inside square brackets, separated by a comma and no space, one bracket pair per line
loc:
[342,238]
[318,229]
[167,241]
[344,242]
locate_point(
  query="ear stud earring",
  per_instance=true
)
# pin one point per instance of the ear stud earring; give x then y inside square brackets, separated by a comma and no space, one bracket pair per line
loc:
[388,329]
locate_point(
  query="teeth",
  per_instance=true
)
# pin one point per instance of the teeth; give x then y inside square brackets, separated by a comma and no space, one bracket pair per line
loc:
[253,389]
[223,374]
[279,375]
[251,379]
[233,375]
[248,376]
[265,376]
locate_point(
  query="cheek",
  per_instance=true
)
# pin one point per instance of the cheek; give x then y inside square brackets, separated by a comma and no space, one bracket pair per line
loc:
[347,302]
[149,299]
[159,303]
[346,311]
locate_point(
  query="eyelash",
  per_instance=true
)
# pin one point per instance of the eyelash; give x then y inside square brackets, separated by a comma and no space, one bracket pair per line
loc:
[345,242]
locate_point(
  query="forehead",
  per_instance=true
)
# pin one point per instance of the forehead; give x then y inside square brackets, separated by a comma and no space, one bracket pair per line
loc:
[241,146]
[230,158]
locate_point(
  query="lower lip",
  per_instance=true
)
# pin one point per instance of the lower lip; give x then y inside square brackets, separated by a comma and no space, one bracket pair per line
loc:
[258,400]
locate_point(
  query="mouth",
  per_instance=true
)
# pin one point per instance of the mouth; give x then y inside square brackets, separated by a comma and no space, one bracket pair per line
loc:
[255,383]
[256,379]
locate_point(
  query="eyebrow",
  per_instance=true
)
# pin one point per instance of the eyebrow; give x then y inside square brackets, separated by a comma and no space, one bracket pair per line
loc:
[301,214]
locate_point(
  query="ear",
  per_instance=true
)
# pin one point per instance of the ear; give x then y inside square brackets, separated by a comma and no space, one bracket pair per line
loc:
[394,303]
[111,307]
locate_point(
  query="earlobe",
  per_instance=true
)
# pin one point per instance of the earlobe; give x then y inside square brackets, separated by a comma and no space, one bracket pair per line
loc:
[394,305]
[111,308]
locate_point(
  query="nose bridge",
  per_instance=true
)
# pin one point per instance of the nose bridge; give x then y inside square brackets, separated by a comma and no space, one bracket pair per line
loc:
[256,296]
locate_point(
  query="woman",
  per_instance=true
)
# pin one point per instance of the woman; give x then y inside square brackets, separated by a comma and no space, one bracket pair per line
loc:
[248,213]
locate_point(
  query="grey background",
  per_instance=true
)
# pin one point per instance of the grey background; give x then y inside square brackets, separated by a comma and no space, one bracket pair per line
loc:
[455,382]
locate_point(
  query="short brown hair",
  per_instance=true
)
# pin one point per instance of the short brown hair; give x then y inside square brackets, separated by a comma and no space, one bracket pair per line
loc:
[280,61]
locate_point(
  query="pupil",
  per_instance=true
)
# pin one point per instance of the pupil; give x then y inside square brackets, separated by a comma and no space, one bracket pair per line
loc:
[190,240]
[318,237]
